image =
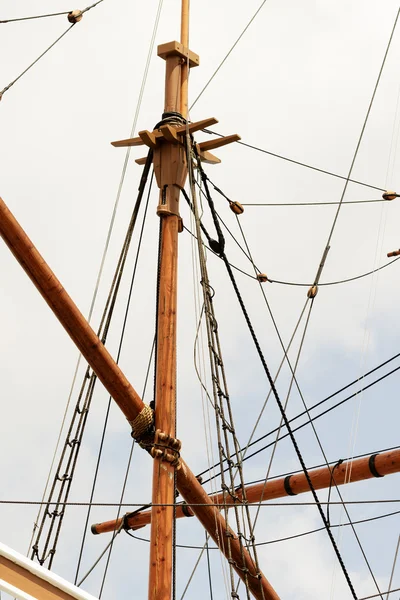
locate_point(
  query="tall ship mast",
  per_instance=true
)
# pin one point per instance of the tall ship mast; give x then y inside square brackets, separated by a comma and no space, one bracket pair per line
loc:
[264,428]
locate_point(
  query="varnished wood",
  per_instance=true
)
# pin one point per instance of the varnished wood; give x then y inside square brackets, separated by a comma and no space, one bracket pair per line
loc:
[148,138]
[386,463]
[218,142]
[212,520]
[30,583]
[96,354]
[141,161]
[197,125]
[137,141]
[185,61]
[170,134]
[163,473]
[69,315]
[160,133]
[208,158]
[178,50]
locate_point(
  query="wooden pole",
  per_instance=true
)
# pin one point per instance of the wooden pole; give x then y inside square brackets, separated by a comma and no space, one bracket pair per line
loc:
[357,470]
[160,576]
[185,64]
[100,360]
[163,490]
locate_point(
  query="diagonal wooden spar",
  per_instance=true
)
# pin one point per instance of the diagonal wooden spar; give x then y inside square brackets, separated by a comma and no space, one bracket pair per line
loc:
[121,390]
[375,465]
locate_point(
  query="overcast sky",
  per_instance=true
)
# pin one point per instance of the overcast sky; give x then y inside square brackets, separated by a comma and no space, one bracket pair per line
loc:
[298,84]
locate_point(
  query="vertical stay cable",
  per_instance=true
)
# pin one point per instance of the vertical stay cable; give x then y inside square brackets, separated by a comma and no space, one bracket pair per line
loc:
[105,251]
[276,395]
[393,568]
[109,400]
[357,147]
[293,378]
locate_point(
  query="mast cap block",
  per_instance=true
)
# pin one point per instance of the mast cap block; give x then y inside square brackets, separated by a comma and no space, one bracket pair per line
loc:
[177,49]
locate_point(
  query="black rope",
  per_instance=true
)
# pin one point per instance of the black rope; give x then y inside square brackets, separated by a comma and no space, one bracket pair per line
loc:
[286,538]
[315,406]
[274,390]
[301,164]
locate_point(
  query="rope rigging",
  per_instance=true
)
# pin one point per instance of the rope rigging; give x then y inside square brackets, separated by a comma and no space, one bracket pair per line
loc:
[274,390]
[286,538]
[222,406]
[122,335]
[52,519]
[73,17]
[258,271]
[299,415]
[301,164]
[68,12]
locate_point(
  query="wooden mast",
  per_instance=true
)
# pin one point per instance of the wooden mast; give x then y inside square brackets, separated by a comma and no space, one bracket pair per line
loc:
[171,171]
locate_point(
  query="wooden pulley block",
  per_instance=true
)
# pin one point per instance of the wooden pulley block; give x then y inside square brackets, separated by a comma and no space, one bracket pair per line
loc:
[389,195]
[262,278]
[236,207]
[313,291]
[75,16]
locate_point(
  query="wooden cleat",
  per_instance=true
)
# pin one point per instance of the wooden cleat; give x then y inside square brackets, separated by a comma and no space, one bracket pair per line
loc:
[130,142]
[148,138]
[208,158]
[170,134]
[222,141]
[141,161]
[197,125]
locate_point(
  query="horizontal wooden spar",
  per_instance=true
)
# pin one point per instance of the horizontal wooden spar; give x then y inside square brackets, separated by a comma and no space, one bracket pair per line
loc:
[376,465]
[69,315]
[120,389]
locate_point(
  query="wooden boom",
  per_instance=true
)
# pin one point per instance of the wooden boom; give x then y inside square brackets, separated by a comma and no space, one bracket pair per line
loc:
[376,465]
[118,386]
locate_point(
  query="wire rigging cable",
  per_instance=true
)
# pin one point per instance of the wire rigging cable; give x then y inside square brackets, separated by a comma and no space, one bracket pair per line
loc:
[312,203]
[143,182]
[301,164]
[49,14]
[2,92]
[286,538]
[275,392]
[229,53]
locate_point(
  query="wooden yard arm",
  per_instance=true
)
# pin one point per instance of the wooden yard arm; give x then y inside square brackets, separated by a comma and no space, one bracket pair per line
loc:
[376,465]
[122,391]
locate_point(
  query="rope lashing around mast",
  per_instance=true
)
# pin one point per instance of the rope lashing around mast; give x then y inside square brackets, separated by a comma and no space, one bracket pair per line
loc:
[275,392]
